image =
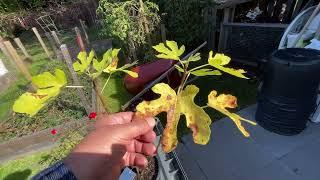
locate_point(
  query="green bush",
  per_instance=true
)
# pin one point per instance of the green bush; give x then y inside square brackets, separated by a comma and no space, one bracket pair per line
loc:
[130,23]
[184,20]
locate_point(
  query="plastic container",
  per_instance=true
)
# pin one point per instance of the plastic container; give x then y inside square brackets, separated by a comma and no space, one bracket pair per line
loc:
[289,91]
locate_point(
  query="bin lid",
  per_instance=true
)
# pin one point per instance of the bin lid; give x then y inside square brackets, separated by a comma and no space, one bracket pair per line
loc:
[297,56]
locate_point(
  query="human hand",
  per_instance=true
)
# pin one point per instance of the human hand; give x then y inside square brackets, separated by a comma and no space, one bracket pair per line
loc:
[118,140]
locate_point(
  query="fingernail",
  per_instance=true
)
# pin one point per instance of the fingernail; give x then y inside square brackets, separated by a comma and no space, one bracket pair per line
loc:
[151,121]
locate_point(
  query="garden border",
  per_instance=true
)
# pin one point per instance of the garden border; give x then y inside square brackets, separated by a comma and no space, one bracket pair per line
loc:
[39,141]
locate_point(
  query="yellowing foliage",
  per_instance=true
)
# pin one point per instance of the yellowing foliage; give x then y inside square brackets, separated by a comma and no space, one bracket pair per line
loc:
[49,86]
[220,60]
[175,105]
[223,101]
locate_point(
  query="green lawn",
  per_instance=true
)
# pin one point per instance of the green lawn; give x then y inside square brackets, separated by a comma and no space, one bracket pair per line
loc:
[23,168]
[16,125]
[115,93]
[244,90]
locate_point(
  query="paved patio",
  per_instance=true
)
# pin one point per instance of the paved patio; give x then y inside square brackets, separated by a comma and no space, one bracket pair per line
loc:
[263,156]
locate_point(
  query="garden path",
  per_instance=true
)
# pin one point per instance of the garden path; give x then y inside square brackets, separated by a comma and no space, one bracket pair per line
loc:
[265,155]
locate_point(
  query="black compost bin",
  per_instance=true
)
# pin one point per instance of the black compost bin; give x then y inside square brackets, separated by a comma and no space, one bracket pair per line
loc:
[289,91]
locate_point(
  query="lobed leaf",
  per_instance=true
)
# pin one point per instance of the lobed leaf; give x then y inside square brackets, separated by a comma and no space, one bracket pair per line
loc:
[223,101]
[205,72]
[169,51]
[197,119]
[49,86]
[220,60]
[194,57]
[46,79]
[100,66]
[131,73]
[175,105]
[29,103]
[84,62]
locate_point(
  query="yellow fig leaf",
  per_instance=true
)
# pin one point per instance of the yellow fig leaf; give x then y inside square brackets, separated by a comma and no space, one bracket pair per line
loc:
[166,103]
[194,57]
[170,50]
[205,72]
[197,119]
[29,103]
[46,79]
[112,66]
[84,62]
[223,101]
[220,60]
[49,86]
[131,73]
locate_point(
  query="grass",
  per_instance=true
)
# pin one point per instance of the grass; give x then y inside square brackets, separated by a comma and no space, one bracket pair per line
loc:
[65,108]
[115,93]
[244,90]
[23,168]
[20,85]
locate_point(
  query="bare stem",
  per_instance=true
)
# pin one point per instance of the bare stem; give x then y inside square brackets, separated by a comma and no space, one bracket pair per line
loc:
[184,77]
[199,67]
[206,106]
[74,86]
[96,89]
[105,84]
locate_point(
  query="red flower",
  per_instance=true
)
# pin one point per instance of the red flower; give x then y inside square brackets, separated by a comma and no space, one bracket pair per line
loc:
[92,115]
[53,131]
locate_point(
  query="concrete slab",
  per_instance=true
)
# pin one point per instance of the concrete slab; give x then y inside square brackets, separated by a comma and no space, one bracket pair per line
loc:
[277,144]
[265,155]
[304,160]
[227,153]
[276,170]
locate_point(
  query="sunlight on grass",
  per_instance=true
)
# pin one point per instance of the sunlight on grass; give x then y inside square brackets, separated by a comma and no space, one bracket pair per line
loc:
[23,168]
[115,93]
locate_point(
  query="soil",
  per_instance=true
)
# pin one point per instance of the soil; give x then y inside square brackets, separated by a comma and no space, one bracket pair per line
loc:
[150,172]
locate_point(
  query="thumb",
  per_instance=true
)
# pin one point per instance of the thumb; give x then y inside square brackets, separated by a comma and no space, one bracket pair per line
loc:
[138,127]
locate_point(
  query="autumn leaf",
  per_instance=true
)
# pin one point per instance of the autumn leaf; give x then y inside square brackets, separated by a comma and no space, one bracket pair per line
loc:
[112,61]
[169,51]
[223,101]
[29,103]
[49,86]
[220,60]
[197,119]
[46,79]
[111,57]
[84,62]
[205,72]
[194,57]
[175,105]
[99,66]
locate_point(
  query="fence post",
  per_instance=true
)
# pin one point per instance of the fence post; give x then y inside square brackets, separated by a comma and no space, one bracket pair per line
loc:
[41,42]
[18,61]
[7,54]
[23,49]
[79,39]
[76,81]
[84,31]
[224,31]
[163,33]
[56,38]
[53,45]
